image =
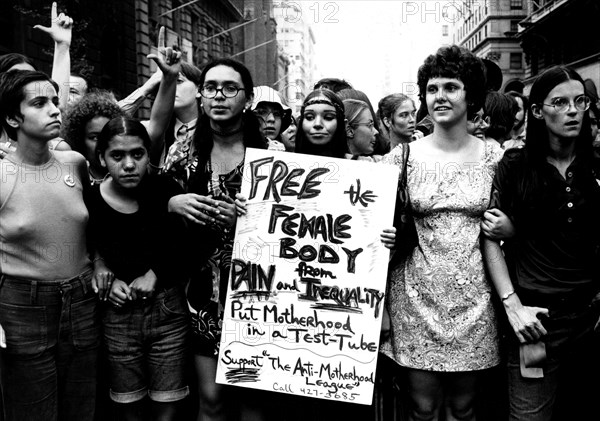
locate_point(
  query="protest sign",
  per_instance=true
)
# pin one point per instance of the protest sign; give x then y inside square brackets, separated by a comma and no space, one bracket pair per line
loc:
[306,294]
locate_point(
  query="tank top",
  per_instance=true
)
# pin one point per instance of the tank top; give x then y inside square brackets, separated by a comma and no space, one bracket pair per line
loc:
[43,220]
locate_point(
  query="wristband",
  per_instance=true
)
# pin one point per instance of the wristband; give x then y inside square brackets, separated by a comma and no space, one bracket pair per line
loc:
[508,294]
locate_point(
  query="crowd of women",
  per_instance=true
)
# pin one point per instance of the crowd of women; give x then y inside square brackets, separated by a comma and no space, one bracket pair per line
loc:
[116,237]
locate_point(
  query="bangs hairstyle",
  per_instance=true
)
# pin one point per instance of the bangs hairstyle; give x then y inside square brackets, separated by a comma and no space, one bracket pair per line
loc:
[92,105]
[122,126]
[12,59]
[455,62]
[235,65]
[337,147]
[12,94]
[537,142]
[203,137]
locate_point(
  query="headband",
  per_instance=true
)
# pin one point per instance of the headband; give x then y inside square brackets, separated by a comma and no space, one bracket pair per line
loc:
[322,101]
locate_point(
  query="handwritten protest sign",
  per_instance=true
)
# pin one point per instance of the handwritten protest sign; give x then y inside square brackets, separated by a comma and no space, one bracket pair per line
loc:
[305,299]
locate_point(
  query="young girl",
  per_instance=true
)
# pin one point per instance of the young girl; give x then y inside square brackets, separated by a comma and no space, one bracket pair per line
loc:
[146,326]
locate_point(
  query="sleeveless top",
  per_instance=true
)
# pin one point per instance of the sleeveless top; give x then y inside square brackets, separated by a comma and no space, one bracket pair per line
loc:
[43,220]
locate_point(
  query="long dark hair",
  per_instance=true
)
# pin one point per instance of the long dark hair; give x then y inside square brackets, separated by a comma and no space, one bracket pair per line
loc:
[9,60]
[537,143]
[122,126]
[337,147]
[203,136]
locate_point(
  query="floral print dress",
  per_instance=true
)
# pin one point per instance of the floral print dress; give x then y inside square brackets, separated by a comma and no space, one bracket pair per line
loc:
[439,299]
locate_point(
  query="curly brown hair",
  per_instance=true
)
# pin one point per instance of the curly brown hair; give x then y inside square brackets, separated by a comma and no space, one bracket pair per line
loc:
[93,104]
[456,63]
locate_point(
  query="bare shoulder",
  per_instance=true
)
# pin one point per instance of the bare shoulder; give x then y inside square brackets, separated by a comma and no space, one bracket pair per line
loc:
[69,157]
[422,147]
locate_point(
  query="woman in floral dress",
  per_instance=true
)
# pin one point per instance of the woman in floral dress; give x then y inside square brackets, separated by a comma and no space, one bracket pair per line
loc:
[443,326]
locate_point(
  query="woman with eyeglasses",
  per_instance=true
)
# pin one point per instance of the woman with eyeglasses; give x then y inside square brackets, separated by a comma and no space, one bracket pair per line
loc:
[397,113]
[360,130]
[547,276]
[477,123]
[443,328]
[224,130]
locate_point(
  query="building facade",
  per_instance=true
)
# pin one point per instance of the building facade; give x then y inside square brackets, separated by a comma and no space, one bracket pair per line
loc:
[112,38]
[561,32]
[297,43]
[488,28]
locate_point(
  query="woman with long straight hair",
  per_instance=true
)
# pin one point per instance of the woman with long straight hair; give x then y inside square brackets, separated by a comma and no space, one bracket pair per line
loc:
[547,276]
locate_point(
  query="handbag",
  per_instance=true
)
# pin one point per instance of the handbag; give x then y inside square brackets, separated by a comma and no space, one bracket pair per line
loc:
[406,231]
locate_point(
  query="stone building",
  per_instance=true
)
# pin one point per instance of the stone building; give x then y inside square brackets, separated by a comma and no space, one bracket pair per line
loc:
[112,38]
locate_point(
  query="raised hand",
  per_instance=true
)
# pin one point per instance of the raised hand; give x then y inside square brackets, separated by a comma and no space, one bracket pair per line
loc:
[60,26]
[168,60]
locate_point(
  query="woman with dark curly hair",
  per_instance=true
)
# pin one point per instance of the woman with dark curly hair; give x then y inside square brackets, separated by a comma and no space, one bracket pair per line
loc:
[442,322]
[84,122]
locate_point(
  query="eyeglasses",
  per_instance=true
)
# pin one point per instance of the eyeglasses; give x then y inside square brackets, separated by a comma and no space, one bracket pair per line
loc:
[478,119]
[264,113]
[562,104]
[369,125]
[228,91]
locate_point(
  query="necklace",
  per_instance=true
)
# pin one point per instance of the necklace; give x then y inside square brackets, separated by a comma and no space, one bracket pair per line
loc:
[94,180]
[225,134]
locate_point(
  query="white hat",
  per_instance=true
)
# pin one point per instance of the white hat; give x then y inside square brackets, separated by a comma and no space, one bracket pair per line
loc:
[267,94]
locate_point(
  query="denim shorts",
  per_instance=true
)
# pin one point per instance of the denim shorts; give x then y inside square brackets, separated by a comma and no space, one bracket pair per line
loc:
[52,340]
[147,348]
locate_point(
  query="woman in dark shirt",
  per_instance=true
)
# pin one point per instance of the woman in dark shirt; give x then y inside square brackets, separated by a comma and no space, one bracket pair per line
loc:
[146,327]
[224,131]
[548,274]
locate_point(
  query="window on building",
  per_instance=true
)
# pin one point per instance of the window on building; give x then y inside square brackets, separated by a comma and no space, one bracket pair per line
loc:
[516,4]
[514,26]
[485,31]
[445,30]
[516,61]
